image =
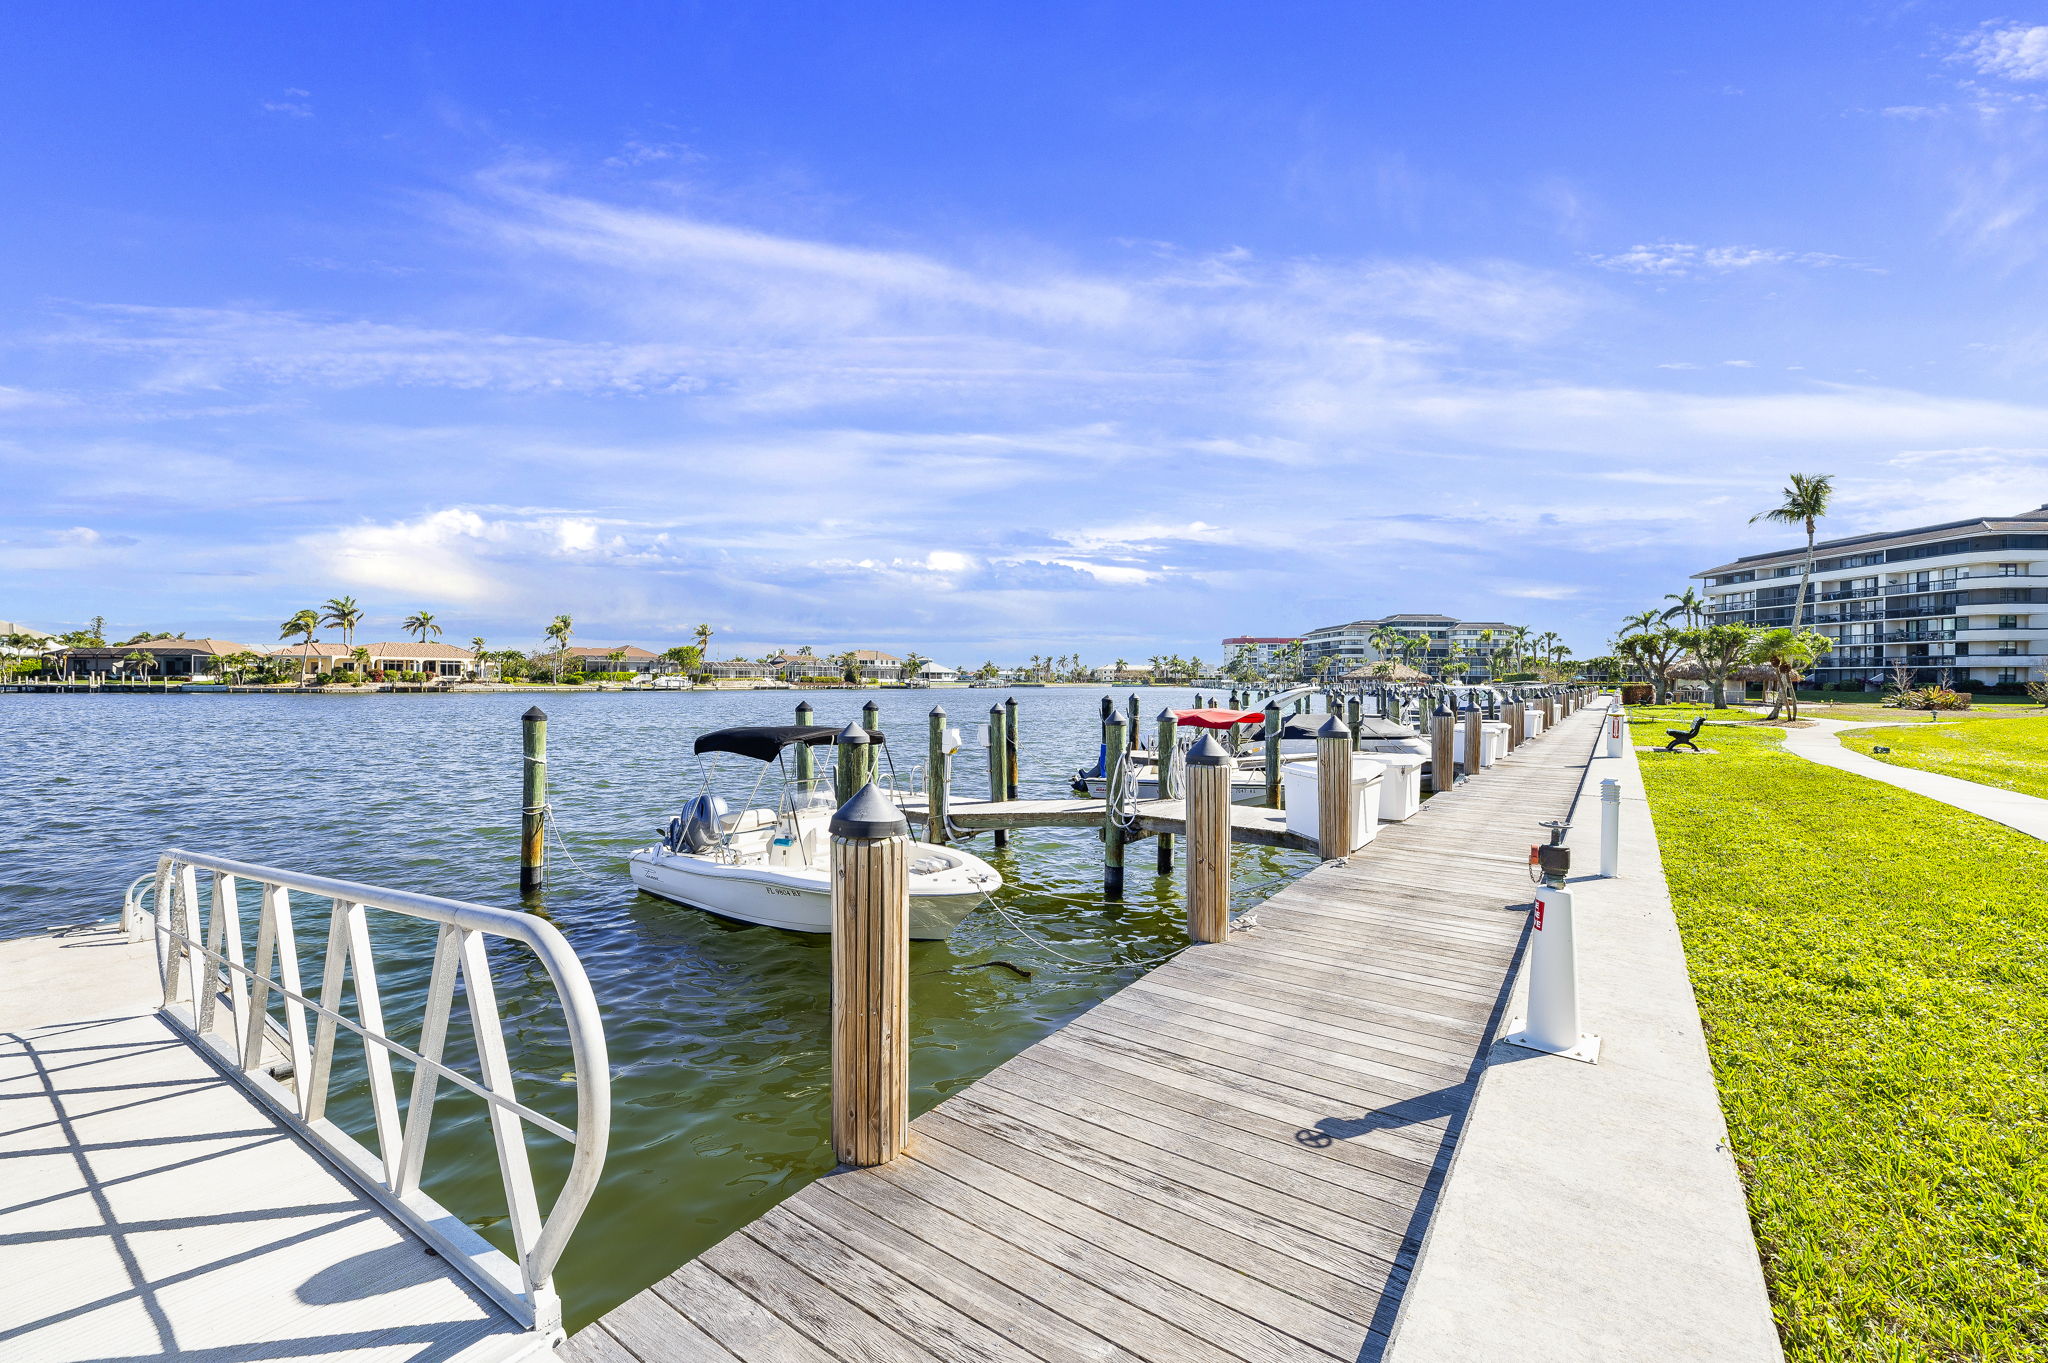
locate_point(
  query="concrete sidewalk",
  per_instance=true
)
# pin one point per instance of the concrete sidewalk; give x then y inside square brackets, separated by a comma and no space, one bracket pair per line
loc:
[2027,813]
[1593,1211]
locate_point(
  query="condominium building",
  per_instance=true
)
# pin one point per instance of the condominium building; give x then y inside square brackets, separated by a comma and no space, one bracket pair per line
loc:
[1263,649]
[1969,598]
[1473,642]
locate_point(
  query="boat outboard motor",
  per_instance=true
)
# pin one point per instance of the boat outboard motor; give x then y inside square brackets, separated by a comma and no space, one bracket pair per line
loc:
[699,829]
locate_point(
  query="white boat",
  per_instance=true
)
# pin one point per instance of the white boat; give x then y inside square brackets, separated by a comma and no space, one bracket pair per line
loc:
[773,866]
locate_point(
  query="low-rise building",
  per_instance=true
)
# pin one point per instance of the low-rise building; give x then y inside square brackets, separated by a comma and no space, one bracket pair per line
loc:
[598,658]
[1968,598]
[185,659]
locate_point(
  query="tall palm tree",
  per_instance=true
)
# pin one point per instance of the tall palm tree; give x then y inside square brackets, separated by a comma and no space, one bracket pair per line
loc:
[1691,605]
[559,629]
[304,626]
[420,624]
[704,639]
[1806,501]
[344,614]
[913,665]
[143,661]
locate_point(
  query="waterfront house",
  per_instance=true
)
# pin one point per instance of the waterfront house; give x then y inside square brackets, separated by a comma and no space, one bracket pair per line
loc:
[598,658]
[309,659]
[937,673]
[877,666]
[803,668]
[179,659]
[436,660]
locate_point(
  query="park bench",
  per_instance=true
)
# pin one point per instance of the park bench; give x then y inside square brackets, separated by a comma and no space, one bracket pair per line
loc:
[1685,736]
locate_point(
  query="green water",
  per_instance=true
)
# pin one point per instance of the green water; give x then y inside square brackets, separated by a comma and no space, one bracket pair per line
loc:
[717,1031]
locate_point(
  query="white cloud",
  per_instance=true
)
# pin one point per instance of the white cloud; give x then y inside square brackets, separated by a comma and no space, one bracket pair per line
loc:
[2011,52]
[1682,260]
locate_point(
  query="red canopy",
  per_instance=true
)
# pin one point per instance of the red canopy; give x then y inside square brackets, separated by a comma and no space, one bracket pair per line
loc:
[1217,719]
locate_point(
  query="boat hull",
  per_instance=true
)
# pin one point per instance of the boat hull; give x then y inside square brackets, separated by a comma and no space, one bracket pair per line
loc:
[798,899]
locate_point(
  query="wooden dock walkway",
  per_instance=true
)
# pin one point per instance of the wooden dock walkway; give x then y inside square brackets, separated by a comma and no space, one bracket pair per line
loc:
[1248,823]
[1231,1160]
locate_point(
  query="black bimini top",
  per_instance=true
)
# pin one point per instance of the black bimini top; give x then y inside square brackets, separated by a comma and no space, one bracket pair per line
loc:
[763,742]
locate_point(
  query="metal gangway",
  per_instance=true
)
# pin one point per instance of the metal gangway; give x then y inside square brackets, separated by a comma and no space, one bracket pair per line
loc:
[174,1181]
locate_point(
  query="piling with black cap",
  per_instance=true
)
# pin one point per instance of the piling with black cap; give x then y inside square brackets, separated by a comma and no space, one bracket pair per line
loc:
[938,771]
[1010,747]
[806,760]
[1165,784]
[1272,734]
[1475,737]
[998,762]
[1133,730]
[1115,769]
[1518,720]
[849,765]
[870,979]
[1208,834]
[1443,757]
[533,733]
[1334,833]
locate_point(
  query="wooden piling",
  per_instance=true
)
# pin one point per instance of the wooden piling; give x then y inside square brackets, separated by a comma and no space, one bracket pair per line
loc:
[998,759]
[1354,715]
[1334,833]
[1272,735]
[1131,729]
[1208,835]
[1518,722]
[1443,760]
[849,761]
[1475,738]
[1167,729]
[870,980]
[937,774]
[1010,748]
[533,734]
[806,759]
[1115,765]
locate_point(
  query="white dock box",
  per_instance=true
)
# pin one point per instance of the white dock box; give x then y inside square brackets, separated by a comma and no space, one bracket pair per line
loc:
[1302,784]
[1533,721]
[1493,741]
[1401,787]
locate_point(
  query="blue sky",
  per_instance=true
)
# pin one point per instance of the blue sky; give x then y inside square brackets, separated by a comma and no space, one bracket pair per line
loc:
[992,330]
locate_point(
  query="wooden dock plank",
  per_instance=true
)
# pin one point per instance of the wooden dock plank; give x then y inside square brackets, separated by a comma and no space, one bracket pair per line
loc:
[1231,1160]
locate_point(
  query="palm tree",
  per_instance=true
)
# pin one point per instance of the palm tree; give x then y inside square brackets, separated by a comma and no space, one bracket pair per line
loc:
[913,665]
[688,658]
[1691,605]
[344,614]
[559,629]
[420,624]
[1642,622]
[360,657]
[1806,501]
[143,661]
[617,658]
[1788,652]
[704,640]
[305,625]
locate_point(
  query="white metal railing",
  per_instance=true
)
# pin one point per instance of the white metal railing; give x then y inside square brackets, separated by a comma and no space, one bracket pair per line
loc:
[207,979]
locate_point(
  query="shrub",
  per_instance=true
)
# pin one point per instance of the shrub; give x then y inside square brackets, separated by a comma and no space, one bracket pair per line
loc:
[1929,698]
[573,679]
[323,679]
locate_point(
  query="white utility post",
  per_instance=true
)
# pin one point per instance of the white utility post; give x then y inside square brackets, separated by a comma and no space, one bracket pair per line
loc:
[1610,827]
[1617,731]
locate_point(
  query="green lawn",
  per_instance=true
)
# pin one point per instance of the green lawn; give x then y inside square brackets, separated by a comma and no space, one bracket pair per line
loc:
[2009,753]
[1872,968]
